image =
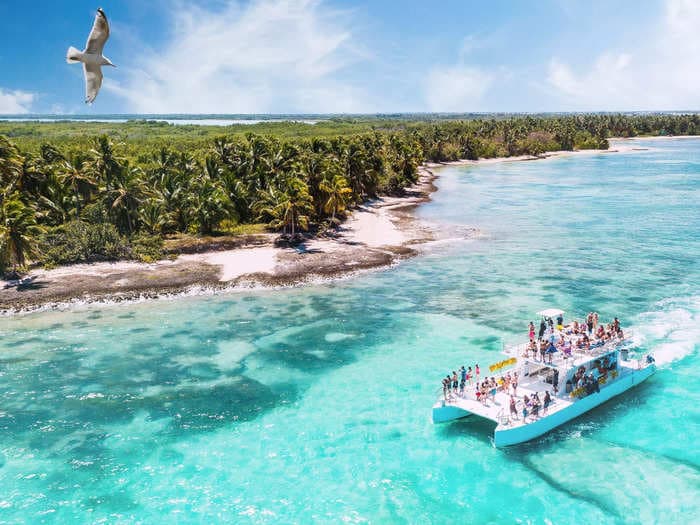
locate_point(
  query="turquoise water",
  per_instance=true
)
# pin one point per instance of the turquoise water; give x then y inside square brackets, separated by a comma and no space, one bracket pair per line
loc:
[313,405]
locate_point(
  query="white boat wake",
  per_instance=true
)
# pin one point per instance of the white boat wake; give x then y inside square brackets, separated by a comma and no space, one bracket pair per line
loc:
[671,331]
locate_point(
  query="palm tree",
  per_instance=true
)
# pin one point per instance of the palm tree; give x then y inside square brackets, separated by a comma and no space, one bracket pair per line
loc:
[287,207]
[355,168]
[209,205]
[208,201]
[11,163]
[164,164]
[153,216]
[78,180]
[317,168]
[170,178]
[124,199]
[18,231]
[103,165]
[32,177]
[337,193]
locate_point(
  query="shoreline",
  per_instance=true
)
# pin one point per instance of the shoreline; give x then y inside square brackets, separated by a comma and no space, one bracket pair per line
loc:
[376,235]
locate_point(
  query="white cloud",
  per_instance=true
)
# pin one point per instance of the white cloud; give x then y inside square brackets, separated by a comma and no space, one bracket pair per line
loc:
[15,102]
[607,82]
[456,88]
[661,72]
[261,56]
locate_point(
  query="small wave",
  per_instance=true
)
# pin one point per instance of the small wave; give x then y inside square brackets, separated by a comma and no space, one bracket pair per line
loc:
[672,330]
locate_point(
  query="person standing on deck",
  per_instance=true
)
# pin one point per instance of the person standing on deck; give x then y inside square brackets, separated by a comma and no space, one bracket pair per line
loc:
[531,331]
[513,409]
[546,402]
[477,372]
[543,327]
[462,379]
[560,322]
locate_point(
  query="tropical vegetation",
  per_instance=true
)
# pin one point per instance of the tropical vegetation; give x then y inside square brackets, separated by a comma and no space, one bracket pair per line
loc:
[72,192]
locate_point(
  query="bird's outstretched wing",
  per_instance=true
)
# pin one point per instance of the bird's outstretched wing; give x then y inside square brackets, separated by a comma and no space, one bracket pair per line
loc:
[99,34]
[93,81]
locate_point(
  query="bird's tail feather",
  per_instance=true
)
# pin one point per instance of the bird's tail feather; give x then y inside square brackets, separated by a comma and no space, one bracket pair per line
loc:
[73,55]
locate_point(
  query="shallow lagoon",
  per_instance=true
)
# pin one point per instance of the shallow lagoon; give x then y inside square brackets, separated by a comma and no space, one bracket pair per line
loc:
[314,404]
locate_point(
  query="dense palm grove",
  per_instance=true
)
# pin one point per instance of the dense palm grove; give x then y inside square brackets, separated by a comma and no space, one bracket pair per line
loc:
[103,198]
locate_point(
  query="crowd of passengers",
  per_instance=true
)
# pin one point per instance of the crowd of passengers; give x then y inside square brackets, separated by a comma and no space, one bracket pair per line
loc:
[530,406]
[551,339]
[590,381]
[459,383]
[562,338]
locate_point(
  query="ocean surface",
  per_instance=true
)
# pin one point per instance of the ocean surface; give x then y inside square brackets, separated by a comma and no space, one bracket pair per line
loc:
[313,404]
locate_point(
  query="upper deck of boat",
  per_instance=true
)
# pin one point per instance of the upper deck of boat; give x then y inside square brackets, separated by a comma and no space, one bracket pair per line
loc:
[577,355]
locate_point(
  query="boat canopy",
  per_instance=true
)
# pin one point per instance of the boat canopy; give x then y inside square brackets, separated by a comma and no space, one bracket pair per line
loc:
[551,312]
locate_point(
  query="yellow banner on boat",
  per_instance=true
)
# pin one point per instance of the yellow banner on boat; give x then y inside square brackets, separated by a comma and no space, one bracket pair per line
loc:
[502,364]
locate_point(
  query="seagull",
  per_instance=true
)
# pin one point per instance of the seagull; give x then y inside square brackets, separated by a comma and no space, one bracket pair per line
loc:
[91,57]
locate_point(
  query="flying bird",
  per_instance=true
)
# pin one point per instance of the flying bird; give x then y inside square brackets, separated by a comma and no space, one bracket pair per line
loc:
[92,57]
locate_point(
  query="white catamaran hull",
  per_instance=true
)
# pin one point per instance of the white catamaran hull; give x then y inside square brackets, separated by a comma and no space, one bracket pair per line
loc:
[505,436]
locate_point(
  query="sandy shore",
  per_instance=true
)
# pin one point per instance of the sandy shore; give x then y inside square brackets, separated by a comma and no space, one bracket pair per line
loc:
[377,234]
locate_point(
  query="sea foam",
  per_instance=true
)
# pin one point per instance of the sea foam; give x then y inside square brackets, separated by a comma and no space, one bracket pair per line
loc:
[672,330]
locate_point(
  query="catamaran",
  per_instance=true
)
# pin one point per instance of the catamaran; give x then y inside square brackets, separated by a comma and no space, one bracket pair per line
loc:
[577,376]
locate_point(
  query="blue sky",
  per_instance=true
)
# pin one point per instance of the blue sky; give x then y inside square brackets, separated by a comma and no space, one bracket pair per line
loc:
[357,56]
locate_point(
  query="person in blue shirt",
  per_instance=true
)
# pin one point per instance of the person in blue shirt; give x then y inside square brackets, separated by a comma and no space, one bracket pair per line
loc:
[551,349]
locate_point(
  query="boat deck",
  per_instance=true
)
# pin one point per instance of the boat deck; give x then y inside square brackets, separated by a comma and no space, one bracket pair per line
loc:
[498,409]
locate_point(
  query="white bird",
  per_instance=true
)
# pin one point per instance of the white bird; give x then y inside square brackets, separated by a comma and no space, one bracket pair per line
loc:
[91,57]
